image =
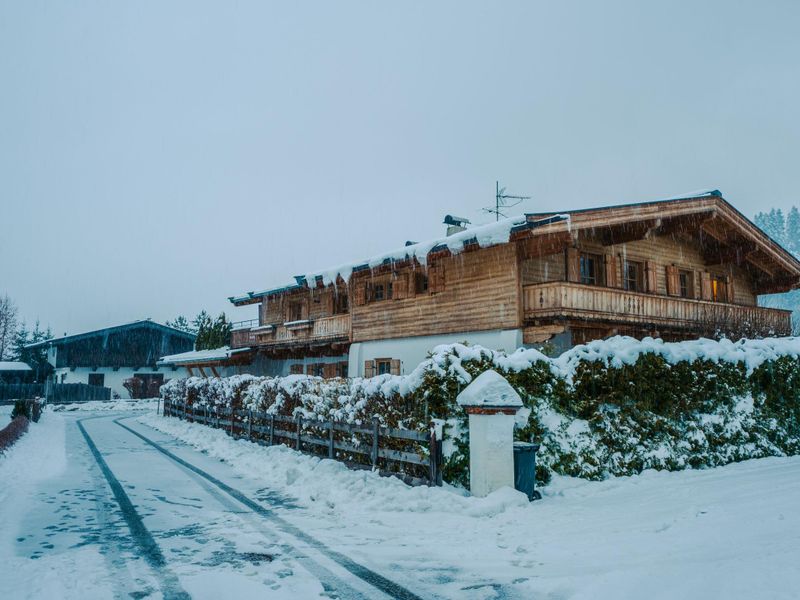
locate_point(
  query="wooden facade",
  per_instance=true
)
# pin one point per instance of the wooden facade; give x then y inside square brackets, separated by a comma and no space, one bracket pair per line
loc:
[676,269]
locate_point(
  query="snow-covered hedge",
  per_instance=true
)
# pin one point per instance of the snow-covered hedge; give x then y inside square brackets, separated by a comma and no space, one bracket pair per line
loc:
[610,407]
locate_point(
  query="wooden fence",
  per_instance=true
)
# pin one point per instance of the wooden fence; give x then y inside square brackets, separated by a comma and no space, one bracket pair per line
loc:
[67,393]
[414,457]
[55,393]
[20,391]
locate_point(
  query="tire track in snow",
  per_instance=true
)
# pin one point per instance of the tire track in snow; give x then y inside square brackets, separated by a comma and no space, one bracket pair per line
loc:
[331,584]
[170,586]
[387,586]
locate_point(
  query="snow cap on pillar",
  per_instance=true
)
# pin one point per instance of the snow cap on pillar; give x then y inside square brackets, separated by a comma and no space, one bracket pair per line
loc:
[489,393]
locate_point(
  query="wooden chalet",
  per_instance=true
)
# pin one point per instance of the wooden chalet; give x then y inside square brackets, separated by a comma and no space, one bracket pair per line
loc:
[676,269]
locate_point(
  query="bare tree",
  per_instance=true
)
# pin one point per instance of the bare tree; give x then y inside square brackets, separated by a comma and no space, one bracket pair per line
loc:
[8,325]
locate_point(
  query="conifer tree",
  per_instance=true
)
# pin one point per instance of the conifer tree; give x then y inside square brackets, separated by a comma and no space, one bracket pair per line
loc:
[793,231]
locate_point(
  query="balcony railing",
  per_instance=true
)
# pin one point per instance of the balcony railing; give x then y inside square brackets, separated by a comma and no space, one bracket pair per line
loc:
[593,303]
[335,328]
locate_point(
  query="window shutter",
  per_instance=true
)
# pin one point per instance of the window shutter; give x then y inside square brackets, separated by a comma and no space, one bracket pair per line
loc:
[436,279]
[329,370]
[612,278]
[304,309]
[369,368]
[394,369]
[673,281]
[573,265]
[360,294]
[651,277]
[329,299]
[705,285]
[400,287]
[729,290]
[411,284]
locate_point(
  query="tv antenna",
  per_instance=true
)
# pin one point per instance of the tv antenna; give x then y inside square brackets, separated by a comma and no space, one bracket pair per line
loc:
[501,201]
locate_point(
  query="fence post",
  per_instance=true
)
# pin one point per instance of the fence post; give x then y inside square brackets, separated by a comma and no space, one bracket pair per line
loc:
[434,467]
[233,416]
[249,424]
[375,425]
[331,443]
[299,428]
[271,429]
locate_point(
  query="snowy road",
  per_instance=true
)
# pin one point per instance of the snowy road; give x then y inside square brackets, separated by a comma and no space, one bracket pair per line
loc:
[124,505]
[169,527]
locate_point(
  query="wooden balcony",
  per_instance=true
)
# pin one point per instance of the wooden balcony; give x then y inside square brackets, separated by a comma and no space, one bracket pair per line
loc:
[562,300]
[327,329]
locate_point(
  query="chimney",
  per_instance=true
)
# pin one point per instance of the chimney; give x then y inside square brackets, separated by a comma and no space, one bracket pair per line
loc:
[455,224]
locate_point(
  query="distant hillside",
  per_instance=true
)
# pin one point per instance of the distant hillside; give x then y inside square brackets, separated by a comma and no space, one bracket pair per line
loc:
[784,229]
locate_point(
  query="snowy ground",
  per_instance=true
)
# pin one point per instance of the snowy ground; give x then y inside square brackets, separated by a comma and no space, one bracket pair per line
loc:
[304,528]
[149,404]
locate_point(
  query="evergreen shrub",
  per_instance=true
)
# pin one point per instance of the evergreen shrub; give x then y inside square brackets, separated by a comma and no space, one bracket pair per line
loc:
[607,408]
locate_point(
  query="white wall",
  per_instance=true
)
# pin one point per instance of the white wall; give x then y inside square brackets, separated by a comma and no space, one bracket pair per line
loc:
[265,367]
[412,351]
[113,379]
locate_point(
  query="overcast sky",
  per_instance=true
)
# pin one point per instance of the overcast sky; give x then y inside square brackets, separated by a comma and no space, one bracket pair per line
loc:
[158,157]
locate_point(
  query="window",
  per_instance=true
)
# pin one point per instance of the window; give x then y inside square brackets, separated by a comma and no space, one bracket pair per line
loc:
[295,311]
[341,369]
[316,369]
[296,369]
[421,283]
[686,284]
[97,379]
[590,269]
[382,291]
[340,306]
[633,276]
[383,366]
[718,291]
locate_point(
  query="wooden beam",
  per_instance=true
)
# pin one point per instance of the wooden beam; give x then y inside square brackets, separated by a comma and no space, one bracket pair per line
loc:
[628,232]
[736,253]
[685,223]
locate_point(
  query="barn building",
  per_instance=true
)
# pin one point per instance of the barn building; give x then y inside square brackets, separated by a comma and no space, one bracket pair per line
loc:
[110,356]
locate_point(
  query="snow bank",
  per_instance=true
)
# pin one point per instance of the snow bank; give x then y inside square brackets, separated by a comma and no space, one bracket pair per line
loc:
[108,405]
[320,481]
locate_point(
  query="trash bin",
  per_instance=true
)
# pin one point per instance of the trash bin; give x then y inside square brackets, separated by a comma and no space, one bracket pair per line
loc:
[525,469]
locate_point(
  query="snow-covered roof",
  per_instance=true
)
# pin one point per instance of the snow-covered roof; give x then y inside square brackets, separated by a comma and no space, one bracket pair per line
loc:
[483,235]
[500,232]
[197,356]
[489,389]
[112,329]
[12,365]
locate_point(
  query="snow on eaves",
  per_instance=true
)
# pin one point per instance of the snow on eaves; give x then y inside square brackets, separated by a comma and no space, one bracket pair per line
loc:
[200,356]
[695,194]
[14,366]
[483,235]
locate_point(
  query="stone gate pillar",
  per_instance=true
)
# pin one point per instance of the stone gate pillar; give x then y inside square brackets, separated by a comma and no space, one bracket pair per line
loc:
[491,403]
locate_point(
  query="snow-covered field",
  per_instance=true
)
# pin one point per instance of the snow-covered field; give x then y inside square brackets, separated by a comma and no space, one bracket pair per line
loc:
[731,532]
